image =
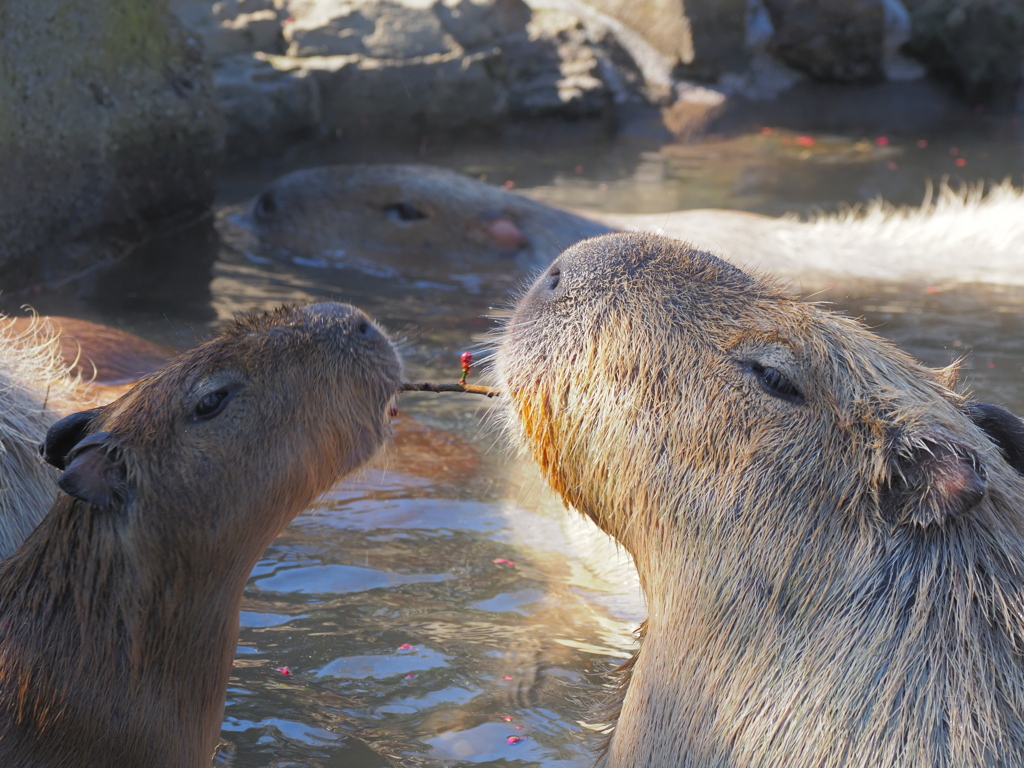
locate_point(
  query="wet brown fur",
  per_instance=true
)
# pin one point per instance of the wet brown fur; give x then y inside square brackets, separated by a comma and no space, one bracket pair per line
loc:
[118,624]
[826,584]
[98,353]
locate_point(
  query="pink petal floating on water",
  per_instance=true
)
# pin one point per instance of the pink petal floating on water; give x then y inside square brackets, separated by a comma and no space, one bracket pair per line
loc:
[922,143]
[509,677]
[882,141]
[283,670]
[513,740]
[507,719]
[960,162]
[805,141]
[410,676]
[407,647]
[519,727]
[503,561]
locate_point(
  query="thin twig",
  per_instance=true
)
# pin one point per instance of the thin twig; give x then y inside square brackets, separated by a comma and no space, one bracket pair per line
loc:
[431,386]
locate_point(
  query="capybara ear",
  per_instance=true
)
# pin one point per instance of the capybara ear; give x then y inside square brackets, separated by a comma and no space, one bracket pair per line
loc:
[1003,428]
[937,478]
[65,435]
[95,472]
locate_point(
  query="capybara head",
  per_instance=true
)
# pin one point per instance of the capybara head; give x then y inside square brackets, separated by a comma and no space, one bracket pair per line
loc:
[255,423]
[830,539]
[412,219]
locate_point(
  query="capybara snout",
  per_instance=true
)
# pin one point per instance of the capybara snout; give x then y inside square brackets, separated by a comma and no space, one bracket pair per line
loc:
[830,537]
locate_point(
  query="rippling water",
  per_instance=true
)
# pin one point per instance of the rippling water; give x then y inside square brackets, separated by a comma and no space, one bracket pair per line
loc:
[441,608]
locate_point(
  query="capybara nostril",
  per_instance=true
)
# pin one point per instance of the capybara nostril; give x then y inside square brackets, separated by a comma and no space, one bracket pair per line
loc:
[554,277]
[265,205]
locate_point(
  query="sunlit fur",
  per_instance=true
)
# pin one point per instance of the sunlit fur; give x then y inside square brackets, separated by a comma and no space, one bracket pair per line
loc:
[35,390]
[957,235]
[799,614]
[118,625]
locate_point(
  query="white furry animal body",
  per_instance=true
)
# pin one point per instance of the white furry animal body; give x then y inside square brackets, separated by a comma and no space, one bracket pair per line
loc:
[35,390]
[962,236]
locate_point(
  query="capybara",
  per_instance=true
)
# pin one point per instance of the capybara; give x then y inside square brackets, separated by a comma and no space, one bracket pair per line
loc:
[830,538]
[44,375]
[410,219]
[99,353]
[398,217]
[119,613]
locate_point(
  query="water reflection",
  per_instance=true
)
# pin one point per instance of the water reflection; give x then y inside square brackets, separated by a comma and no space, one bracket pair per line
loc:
[441,608]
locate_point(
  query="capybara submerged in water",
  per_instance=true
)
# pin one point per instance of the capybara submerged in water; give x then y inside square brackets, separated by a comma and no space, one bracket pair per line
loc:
[829,538]
[119,613]
[411,219]
[416,218]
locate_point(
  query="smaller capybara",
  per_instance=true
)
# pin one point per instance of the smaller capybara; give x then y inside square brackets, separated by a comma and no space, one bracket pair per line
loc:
[413,219]
[46,373]
[119,613]
[830,538]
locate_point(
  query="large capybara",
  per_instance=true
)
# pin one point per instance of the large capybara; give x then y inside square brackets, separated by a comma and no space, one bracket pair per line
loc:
[119,613]
[402,218]
[830,539]
[47,373]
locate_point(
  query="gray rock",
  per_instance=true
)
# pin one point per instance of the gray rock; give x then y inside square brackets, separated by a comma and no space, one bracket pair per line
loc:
[703,38]
[554,69]
[365,96]
[232,26]
[382,29]
[107,119]
[842,40]
[268,101]
[979,44]
[480,23]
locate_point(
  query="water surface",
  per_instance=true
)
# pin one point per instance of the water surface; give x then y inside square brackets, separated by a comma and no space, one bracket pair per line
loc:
[441,608]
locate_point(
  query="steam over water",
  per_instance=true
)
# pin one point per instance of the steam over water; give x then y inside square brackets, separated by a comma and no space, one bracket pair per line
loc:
[440,610]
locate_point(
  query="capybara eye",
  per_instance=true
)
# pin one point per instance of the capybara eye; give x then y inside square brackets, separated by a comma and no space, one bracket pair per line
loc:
[775,382]
[364,328]
[266,205]
[212,404]
[404,212]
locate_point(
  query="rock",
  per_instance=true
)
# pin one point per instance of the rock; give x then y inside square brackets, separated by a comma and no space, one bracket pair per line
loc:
[979,44]
[365,96]
[381,29]
[268,101]
[554,69]
[107,119]
[703,38]
[478,23]
[233,26]
[841,40]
